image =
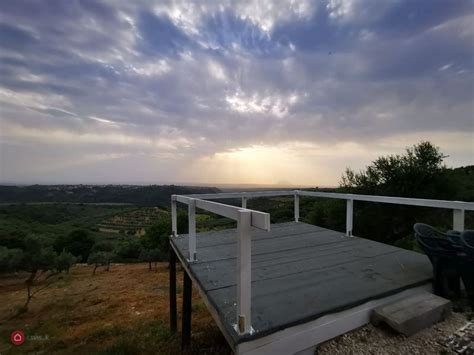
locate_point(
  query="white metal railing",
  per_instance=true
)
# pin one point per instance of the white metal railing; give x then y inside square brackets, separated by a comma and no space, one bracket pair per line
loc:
[247,218]
[458,207]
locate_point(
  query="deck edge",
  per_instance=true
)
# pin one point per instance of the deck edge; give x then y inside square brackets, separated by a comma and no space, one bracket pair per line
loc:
[306,336]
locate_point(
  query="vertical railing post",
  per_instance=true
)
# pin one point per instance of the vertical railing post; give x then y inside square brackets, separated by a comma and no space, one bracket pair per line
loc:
[458,220]
[297,206]
[244,202]
[172,290]
[174,217]
[187,310]
[192,229]
[349,217]
[244,276]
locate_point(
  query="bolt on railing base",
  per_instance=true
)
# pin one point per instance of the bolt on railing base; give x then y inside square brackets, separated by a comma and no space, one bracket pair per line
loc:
[192,259]
[237,330]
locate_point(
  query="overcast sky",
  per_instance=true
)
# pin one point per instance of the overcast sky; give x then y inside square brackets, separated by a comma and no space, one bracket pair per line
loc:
[269,92]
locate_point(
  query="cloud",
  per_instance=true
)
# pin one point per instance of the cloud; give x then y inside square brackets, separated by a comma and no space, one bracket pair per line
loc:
[12,37]
[160,36]
[179,82]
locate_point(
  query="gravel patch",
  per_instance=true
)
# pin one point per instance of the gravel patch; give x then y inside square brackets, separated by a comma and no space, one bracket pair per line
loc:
[382,340]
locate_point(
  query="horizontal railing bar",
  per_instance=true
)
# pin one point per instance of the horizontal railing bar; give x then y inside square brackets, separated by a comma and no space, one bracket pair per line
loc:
[182,199]
[259,219]
[253,194]
[468,206]
[219,208]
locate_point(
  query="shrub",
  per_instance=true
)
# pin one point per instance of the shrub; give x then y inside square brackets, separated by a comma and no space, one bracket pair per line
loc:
[64,261]
[157,237]
[10,259]
[128,249]
[102,245]
[78,243]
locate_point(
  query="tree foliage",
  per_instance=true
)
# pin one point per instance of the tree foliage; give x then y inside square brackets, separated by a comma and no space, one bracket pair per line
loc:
[65,261]
[79,243]
[39,260]
[127,250]
[417,173]
[157,237]
[10,259]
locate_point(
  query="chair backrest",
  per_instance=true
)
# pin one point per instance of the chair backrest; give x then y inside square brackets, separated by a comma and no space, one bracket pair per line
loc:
[433,242]
[467,240]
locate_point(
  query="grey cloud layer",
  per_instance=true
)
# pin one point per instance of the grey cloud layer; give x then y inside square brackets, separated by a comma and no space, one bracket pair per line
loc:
[223,76]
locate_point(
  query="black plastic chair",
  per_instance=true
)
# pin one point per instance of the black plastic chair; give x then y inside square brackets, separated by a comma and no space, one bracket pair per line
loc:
[444,251]
[467,265]
[467,240]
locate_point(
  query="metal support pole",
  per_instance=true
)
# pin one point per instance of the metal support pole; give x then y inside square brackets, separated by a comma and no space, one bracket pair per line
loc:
[187,304]
[174,217]
[173,310]
[244,202]
[349,217]
[192,229]
[244,276]
[297,207]
[458,220]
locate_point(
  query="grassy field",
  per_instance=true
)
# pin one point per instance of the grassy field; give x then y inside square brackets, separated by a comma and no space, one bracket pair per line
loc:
[123,311]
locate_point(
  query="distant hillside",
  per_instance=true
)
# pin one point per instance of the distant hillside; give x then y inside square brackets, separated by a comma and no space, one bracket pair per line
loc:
[153,195]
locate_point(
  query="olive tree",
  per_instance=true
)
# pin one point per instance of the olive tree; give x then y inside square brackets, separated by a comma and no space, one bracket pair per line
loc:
[151,256]
[100,258]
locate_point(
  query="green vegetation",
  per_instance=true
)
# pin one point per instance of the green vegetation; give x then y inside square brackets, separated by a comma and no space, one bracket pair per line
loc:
[152,195]
[72,229]
[100,258]
[78,243]
[41,241]
[38,260]
[419,173]
[52,220]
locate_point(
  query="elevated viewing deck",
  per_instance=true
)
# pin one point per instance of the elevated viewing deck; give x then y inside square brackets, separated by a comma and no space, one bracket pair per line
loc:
[300,272]
[290,286]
